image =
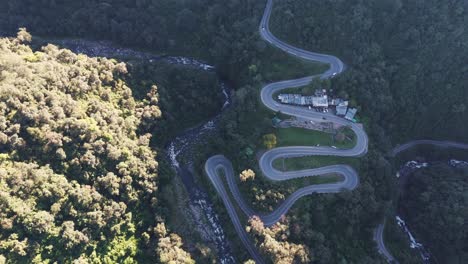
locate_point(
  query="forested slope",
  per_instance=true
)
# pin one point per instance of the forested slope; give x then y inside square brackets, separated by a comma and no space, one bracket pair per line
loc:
[77,183]
[435,205]
[407,60]
[407,74]
[222,31]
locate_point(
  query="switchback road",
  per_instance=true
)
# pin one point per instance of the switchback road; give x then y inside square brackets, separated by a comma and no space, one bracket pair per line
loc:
[218,166]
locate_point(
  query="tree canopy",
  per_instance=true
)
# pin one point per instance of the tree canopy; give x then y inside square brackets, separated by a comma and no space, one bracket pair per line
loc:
[435,206]
[74,169]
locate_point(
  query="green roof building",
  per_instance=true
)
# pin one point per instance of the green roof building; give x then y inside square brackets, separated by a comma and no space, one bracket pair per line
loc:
[275,120]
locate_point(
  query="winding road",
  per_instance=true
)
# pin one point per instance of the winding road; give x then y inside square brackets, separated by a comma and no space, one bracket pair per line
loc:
[219,163]
[436,143]
[379,239]
[379,230]
[218,166]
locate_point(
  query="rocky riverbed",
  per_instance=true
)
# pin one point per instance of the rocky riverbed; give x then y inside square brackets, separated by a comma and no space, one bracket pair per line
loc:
[179,150]
[406,171]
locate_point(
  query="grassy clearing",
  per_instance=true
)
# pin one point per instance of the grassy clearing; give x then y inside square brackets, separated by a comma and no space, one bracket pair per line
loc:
[350,139]
[305,137]
[302,137]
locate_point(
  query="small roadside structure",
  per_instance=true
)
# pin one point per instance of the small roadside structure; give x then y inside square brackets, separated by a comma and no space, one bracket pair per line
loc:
[320,101]
[320,92]
[291,99]
[275,121]
[351,114]
[342,108]
[298,99]
[336,101]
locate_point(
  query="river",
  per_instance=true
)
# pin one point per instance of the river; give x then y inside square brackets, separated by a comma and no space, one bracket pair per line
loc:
[181,147]
[406,171]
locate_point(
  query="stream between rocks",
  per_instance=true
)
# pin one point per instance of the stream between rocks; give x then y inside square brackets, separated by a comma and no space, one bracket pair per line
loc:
[182,145]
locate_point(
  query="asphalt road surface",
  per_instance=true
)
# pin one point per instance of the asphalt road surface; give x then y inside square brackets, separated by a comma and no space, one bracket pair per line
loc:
[378,238]
[378,232]
[436,143]
[218,166]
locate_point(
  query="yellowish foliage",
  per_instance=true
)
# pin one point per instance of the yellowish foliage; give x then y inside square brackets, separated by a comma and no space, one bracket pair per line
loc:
[246,175]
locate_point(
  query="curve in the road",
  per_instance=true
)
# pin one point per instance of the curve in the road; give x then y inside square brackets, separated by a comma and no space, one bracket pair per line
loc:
[378,232]
[218,165]
[437,143]
[379,239]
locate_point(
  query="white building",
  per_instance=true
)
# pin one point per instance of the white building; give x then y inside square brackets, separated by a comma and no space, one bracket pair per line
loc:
[342,108]
[351,113]
[320,101]
[297,99]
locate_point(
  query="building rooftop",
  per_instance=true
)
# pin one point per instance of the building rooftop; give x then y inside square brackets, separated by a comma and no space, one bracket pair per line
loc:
[320,101]
[351,113]
[275,121]
[298,99]
[341,110]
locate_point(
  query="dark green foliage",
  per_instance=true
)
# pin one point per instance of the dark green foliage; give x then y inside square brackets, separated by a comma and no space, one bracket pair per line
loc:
[407,60]
[77,183]
[397,243]
[187,96]
[435,206]
[224,32]
[407,75]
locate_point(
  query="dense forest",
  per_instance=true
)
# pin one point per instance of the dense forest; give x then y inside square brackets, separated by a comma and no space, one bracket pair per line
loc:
[223,31]
[406,72]
[435,205]
[182,91]
[407,60]
[419,71]
[77,182]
